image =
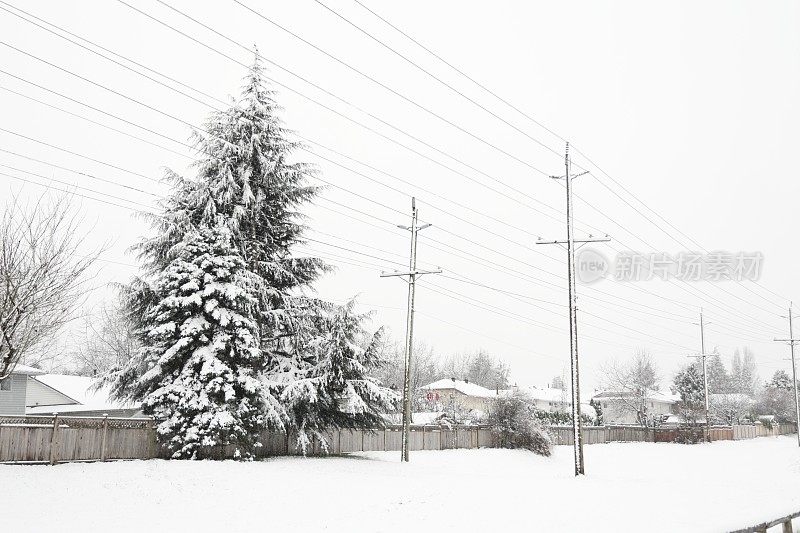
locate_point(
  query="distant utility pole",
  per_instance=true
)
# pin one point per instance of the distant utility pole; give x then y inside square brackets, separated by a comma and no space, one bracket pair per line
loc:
[573,317]
[791,342]
[412,275]
[702,357]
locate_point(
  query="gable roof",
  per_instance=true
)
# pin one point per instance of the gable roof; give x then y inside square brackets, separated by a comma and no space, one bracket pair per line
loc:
[464,387]
[80,389]
[548,394]
[26,370]
[654,396]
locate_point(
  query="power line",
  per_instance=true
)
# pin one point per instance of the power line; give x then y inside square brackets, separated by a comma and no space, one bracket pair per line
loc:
[349,104]
[198,128]
[462,73]
[430,74]
[386,87]
[506,102]
[78,172]
[68,192]
[77,186]
[91,121]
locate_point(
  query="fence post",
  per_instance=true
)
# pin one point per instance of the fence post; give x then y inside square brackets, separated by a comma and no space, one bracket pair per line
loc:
[54,441]
[787,526]
[423,436]
[105,434]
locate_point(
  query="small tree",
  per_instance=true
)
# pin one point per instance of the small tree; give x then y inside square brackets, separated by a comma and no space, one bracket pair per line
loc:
[334,389]
[731,408]
[688,384]
[514,425]
[776,398]
[42,275]
[598,410]
[634,382]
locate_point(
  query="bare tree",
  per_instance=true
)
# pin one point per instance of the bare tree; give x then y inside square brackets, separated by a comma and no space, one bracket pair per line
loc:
[423,368]
[632,383]
[109,340]
[479,367]
[42,275]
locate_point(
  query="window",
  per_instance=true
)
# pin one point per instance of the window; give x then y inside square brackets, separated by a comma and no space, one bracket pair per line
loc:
[5,384]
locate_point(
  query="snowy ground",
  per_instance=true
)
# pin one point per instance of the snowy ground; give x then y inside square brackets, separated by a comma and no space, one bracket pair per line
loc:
[629,487]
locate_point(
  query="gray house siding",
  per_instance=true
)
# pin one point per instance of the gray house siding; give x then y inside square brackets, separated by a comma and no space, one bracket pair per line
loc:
[12,402]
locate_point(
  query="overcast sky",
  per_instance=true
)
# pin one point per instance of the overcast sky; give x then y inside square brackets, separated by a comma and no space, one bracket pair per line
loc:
[690,106]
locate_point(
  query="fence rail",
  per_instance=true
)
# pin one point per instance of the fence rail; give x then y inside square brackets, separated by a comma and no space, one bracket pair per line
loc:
[56,439]
[602,434]
[785,522]
[44,439]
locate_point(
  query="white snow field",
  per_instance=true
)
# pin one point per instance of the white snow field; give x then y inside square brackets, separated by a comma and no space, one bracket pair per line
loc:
[629,487]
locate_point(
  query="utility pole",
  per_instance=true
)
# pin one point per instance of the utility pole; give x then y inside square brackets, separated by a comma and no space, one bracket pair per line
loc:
[791,342]
[573,316]
[702,357]
[412,275]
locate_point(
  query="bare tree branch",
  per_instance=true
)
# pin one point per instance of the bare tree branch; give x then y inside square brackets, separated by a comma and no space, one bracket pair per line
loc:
[42,275]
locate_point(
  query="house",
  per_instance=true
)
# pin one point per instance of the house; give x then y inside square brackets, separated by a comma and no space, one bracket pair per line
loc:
[13,389]
[458,395]
[616,406]
[550,399]
[74,395]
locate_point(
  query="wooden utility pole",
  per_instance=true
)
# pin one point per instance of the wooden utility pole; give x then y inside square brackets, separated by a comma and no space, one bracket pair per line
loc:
[703,355]
[791,342]
[411,276]
[573,317]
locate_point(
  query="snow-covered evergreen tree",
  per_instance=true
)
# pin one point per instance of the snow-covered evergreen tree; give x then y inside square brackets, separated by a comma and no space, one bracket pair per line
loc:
[246,182]
[688,384]
[333,388]
[202,356]
[306,355]
[246,179]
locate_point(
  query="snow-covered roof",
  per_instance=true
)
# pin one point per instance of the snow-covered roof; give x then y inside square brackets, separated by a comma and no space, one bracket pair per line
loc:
[548,394]
[80,389]
[653,396]
[26,370]
[464,387]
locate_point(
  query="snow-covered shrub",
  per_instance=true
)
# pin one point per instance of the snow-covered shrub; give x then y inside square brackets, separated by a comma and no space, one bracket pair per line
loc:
[690,435]
[514,425]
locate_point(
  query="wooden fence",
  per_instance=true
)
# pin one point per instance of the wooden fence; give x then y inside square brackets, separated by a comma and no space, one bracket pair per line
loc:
[600,434]
[785,522]
[45,439]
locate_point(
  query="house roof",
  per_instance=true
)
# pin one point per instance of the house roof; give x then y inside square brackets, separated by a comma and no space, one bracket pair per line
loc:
[80,389]
[26,370]
[654,396]
[464,387]
[548,394]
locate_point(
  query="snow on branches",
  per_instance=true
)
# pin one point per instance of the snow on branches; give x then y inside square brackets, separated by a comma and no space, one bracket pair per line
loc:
[203,358]
[333,387]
